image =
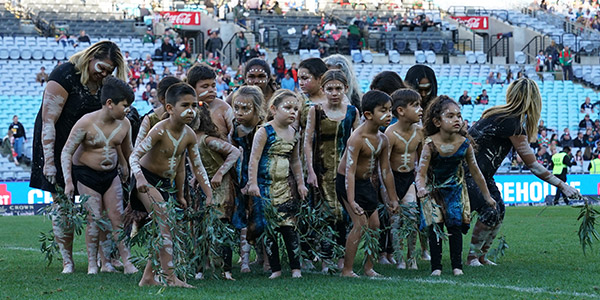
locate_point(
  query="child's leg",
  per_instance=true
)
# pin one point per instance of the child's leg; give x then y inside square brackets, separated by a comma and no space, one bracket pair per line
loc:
[113,202]
[373,225]
[244,251]
[353,240]
[272,251]
[384,239]
[455,239]
[290,238]
[153,200]
[94,208]
[227,254]
[64,239]
[411,199]
[481,233]
[487,244]
[435,246]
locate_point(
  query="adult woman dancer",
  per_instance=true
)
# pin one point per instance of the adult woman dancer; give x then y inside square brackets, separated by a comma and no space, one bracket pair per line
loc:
[502,128]
[421,78]
[73,90]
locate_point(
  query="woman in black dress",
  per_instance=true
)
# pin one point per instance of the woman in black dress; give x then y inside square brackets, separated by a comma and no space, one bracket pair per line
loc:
[421,78]
[501,129]
[73,90]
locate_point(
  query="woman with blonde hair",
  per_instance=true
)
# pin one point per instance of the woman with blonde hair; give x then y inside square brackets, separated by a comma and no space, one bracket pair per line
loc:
[73,90]
[501,129]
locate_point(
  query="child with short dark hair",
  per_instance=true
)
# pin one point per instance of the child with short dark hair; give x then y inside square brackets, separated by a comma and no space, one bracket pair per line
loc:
[275,150]
[405,138]
[203,79]
[154,163]
[93,144]
[367,148]
[440,179]
[159,113]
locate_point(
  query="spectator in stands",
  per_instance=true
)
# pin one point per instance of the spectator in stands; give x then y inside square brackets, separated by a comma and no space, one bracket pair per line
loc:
[565,61]
[183,60]
[149,66]
[587,107]
[240,45]
[215,43]
[146,93]
[19,138]
[136,73]
[389,25]
[180,73]
[426,23]
[597,125]
[311,41]
[465,99]
[578,160]
[586,122]
[240,14]
[288,82]
[168,50]
[42,76]
[221,86]
[73,90]
[571,15]
[554,140]
[565,139]
[540,61]
[279,67]
[482,99]
[305,30]
[579,141]
[330,26]
[127,57]
[552,55]
[509,77]
[83,38]
[166,72]
[294,73]
[499,80]
[490,79]
[354,34]
[588,133]
[371,19]
[153,84]
[543,140]
[62,38]
[253,5]
[543,157]
[520,75]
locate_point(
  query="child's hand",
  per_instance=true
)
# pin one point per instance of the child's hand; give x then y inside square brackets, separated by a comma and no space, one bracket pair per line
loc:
[393,207]
[142,184]
[208,201]
[182,202]
[569,191]
[422,192]
[312,179]
[303,191]
[215,182]
[357,209]
[69,189]
[50,172]
[253,190]
[490,202]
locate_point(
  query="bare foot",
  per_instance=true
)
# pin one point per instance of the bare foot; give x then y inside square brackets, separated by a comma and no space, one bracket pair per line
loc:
[485,261]
[116,263]
[391,259]
[412,264]
[340,263]
[307,264]
[130,269]
[473,262]
[108,268]
[457,272]
[199,276]
[178,283]
[92,269]
[68,268]
[425,255]
[245,269]
[372,273]
[383,260]
[148,282]
[436,273]
[401,265]
[266,266]
[228,276]
[296,273]
[275,275]
[350,274]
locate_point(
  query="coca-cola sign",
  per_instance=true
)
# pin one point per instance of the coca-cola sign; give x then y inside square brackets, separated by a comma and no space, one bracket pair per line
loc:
[474,22]
[182,17]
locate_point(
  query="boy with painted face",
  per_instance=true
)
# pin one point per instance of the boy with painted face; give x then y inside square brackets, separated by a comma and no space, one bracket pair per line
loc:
[202,78]
[154,163]
[367,149]
[405,137]
[92,145]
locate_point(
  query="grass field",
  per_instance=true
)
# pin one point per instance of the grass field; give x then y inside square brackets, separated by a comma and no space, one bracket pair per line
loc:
[544,261]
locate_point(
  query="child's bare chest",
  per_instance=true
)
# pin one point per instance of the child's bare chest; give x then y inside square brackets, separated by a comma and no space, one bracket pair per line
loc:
[98,137]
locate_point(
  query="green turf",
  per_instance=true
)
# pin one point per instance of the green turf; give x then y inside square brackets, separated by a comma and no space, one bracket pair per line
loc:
[544,261]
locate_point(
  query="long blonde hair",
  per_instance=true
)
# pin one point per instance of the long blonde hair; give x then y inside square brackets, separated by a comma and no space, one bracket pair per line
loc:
[99,50]
[523,100]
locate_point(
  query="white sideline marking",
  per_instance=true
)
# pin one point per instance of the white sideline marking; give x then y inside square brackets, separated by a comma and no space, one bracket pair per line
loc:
[531,290]
[29,249]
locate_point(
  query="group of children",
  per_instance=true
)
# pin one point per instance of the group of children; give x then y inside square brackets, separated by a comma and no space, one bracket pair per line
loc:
[266,150]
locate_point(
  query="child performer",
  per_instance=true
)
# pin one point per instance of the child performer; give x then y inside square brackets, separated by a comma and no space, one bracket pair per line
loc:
[218,157]
[329,125]
[158,114]
[154,162]
[248,111]
[441,177]
[310,72]
[202,78]
[275,149]
[100,134]
[405,137]
[367,149]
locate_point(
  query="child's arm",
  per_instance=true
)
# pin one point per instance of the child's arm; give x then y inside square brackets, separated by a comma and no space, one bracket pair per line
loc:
[258,144]
[54,99]
[308,147]
[352,152]
[226,149]
[228,116]
[125,152]
[144,129]
[297,171]
[76,136]
[180,181]
[522,145]
[421,179]
[478,177]
[198,168]
[387,176]
[356,120]
[134,160]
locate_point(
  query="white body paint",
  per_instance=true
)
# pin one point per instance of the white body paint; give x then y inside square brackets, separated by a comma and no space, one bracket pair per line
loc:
[173,159]
[406,156]
[107,163]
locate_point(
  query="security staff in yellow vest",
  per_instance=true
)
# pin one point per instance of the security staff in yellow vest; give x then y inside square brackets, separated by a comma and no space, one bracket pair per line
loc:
[594,166]
[560,163]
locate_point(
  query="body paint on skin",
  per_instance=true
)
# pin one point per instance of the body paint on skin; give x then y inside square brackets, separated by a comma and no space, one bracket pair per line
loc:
[198,163]
[374,152]
[107,163]
[99,64]
[203,94]
[447,148]
[406,156]
[384,116]
[53,105]
[185,112]
[172,161]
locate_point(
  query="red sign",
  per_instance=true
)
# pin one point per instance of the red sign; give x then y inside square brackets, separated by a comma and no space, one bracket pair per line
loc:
[5,195]
[475,22]
[182,17]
